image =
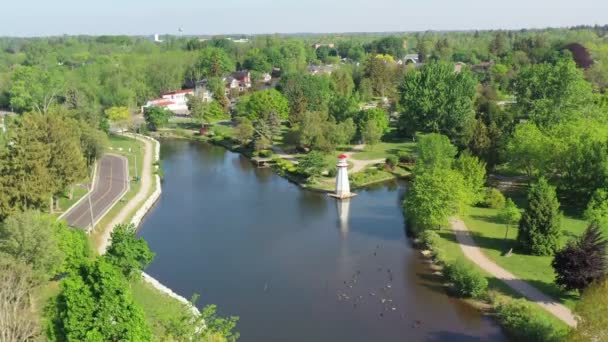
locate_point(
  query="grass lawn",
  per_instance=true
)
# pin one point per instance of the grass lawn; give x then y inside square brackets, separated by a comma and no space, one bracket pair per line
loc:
[489,234]
[65,203]
[385,149]
[157,306]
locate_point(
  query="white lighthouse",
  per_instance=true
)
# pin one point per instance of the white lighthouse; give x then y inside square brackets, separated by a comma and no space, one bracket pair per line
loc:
[342,184]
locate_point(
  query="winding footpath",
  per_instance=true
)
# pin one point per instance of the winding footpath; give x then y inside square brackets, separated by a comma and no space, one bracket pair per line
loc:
[474,253]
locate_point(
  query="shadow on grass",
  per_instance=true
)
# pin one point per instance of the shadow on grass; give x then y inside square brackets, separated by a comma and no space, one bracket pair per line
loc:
[489,219]
[552,290]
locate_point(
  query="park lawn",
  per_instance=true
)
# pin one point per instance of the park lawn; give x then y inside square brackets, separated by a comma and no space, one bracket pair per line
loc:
[489,234]
[385,149]
[65,202]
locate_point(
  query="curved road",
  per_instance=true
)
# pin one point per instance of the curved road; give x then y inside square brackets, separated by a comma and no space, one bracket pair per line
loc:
[111,184]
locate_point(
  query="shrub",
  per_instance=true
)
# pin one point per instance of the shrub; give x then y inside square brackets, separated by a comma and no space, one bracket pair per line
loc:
[265,153]
[494,199]
[405,157]
[524,323]
[467,281]
[429,239]
[391,162]
[332,172]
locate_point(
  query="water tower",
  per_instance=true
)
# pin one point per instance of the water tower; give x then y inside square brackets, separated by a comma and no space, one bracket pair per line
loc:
[342,184]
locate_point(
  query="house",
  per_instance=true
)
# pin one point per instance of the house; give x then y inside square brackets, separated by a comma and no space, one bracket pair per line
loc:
[320,69]
[175,101]
[410,59]
[318,45]
[243,78]
[266,78]
[201,90]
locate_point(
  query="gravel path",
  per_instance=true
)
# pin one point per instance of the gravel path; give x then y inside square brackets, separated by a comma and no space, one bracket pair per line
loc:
[473,253]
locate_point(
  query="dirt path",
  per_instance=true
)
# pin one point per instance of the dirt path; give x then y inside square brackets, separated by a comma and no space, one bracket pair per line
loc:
[473,253]
[359,165]
[135,202]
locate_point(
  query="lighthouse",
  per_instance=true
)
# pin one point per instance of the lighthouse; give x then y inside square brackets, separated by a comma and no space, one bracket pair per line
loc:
[342,184]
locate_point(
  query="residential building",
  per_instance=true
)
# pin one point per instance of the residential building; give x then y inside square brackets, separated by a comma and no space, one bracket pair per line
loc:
[201,90]
[320,69]
[318,45]
[175,101]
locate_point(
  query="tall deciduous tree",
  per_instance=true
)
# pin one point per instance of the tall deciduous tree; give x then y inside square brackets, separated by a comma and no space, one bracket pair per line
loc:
[215,62]
[378,115]
[156,117]
[120,116]
[582,261]
[437,99]
[551,93]
[473,171]
[33,88]
[509,215]
[434,151]
[260,104]
[127,252]
[540,225]
[17,318]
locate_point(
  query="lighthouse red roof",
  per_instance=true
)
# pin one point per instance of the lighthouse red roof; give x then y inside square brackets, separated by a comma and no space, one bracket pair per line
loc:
[342,156]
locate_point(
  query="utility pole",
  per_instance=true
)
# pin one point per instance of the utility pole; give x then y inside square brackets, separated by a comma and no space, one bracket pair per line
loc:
[89,198]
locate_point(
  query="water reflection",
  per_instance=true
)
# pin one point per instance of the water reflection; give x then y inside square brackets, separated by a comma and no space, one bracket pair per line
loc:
[343,213]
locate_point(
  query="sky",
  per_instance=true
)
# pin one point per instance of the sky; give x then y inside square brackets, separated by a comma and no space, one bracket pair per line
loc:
[146,17]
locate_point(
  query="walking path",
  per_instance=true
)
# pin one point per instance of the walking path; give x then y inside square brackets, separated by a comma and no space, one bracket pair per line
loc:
[358,165]
[135,202]
[473,253]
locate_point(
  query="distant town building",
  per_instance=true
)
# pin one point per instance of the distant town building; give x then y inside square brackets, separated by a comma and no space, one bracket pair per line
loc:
[239,40]
[156,38]
[318,45]
[202,90]
[320,69]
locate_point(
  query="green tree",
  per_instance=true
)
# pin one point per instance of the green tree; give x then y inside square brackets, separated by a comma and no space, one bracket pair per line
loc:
[437,99]
[120,116]
[260,104]
[380,70]
[344,132]
[305,93]
[256,60]
[31,237]
[312,164]
[371,133]
[156,117]
[127,252]
[35,89]
[592,314]
[434,151]
[597,209]
[95,304]
[315,131]
[551,93]
[243,132]
[509,215]
[473,171]
[215,62]
[75,246]
[583,260]
[540,225]
[93,143]
[343,107]
[343,80]
[528,149]
[378,115]
[433,197]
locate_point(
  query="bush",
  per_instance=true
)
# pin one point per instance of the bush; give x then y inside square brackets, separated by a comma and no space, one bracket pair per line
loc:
[391,162]
[467,281]
[429,239]
[524,323]
[405,157]
[264,153]
[332,172]
[494,199]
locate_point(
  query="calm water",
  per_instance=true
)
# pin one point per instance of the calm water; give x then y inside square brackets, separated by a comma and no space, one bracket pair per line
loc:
[293,264]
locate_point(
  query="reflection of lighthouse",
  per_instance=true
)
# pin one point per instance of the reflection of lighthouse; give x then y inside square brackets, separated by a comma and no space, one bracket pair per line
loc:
[342,185]
[343,209]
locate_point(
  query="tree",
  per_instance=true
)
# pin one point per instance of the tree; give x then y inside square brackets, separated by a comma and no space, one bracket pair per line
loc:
[96,304]
[343,80]
[243,132]
[343,107]
[433,197]
[437,99]
[434,151]
[592,314]
[215,62]
[473,171]
[597,209]
[509,215]
[17,317]
[344,132]
[380,70]
[260,104]
[35,89]
[312,164]
[120,116]
[377,115]
[583,260]
[305,93]
[74,245]
[390,45]
[31,237]
[93,143]
[156,117]
[127,252]
[256,60]
[371,133]
[315,131]
[540,225]
[551,93]
[528,149]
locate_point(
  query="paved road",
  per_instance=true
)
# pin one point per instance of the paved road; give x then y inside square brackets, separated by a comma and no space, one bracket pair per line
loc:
[110,185]
[473,253]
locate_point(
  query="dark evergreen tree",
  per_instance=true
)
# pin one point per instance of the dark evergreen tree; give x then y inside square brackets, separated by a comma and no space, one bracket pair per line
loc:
[582,261]
[540,225]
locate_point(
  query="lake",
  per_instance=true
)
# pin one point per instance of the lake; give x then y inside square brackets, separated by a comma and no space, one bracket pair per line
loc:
[296,265]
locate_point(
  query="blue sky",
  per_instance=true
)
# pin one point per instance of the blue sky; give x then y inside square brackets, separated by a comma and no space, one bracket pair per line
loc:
[54,17]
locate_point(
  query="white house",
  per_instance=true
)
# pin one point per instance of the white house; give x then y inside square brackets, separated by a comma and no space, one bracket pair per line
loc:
[175,101]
